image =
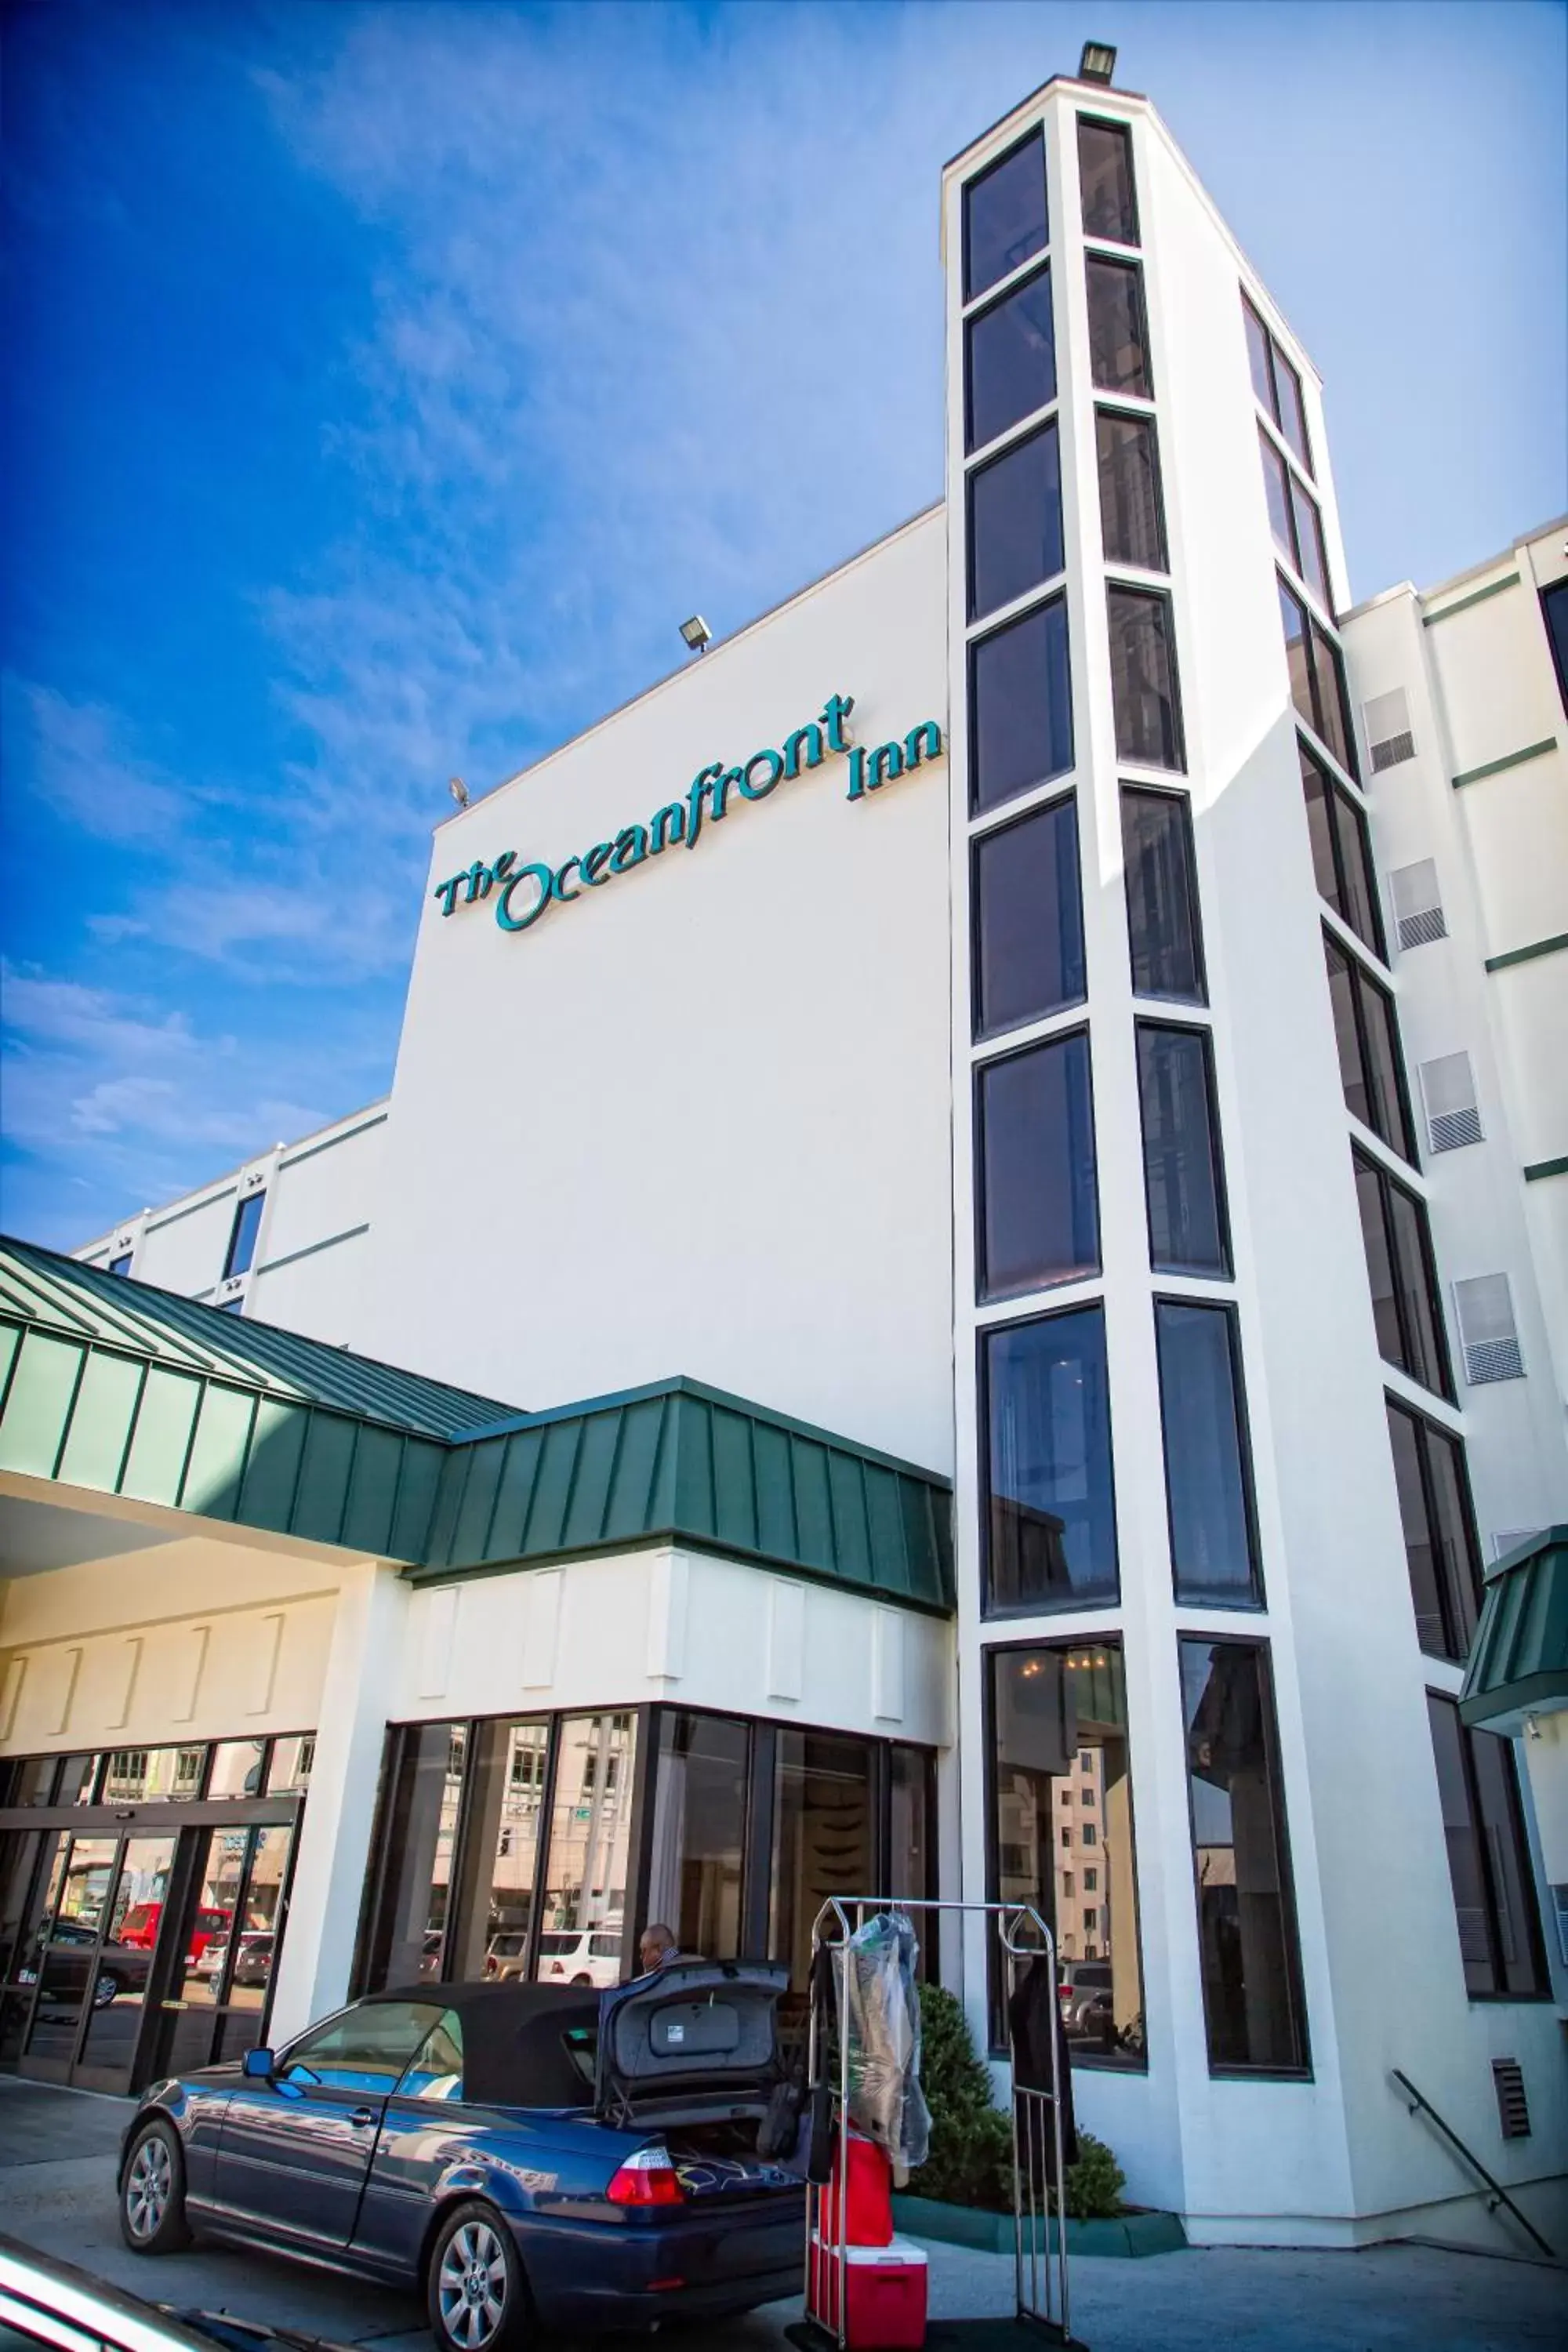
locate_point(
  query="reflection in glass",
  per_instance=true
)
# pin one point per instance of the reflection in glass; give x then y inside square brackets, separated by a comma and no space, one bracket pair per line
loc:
[292,1759]
[419,1830]
[1207,1483]
[1061,1833]
[1131,512]
[1004,216]
[1143,677]
[1049,1519]
[1014,522]
[29,1865]
[823,1843]
[1105,177]
[492,1909]
[1257,357]
[1182,1170]
[116,1991]
[1342,852]
[1368,1043]
[236,1768]
[700,1831]
[1311,562]
[582,1937]
[1020,705]
[1440,1549]
[1011,360]
[1039,1214]
[1277,491]
[912,1850]
[138,1776]
[1253,2004]
[1028,919]
[1163,932]
[1117,336]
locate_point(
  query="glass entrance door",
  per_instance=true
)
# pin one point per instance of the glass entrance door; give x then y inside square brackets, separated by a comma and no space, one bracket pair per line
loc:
[223,1986]
[100,1929]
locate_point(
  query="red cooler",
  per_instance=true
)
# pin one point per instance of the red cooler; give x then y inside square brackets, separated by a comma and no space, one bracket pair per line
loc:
[885,2300]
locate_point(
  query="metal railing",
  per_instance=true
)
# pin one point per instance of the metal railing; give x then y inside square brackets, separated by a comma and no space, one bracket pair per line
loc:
[1496,2194]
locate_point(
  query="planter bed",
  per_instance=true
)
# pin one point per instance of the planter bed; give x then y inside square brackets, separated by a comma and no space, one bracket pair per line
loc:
[1130,2234]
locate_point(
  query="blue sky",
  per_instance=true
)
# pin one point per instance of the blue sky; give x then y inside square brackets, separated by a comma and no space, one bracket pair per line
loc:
[386,383]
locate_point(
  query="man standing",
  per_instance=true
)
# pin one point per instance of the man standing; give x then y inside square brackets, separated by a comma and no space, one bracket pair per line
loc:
[657,1948]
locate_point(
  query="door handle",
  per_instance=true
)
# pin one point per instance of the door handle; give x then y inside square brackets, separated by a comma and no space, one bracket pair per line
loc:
[361,2117]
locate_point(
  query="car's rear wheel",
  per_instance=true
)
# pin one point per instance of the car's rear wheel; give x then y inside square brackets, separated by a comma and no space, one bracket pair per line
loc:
[152,2192]
[106,1988]
[477,2295]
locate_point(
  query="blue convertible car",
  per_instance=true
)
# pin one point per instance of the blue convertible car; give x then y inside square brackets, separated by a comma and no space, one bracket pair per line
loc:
[530,2155]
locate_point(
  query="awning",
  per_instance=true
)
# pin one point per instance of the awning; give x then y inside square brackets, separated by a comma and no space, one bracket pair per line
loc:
[110,1387]
[1519,1659]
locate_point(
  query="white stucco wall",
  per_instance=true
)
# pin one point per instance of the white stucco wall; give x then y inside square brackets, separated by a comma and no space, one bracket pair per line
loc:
[695,1121]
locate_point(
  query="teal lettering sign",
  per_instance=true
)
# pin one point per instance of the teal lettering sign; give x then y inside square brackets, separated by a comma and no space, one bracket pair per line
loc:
[523,893]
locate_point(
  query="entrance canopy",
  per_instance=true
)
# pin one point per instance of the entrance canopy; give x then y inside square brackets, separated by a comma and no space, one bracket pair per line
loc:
[110,1388]
[1519,1659]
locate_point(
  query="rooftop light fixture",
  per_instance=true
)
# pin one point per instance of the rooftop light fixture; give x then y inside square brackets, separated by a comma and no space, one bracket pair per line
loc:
[1098,62]
[459,790]
[696,633]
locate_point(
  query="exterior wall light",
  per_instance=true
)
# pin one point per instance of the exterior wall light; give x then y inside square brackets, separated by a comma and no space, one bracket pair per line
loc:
[696,633]
[1098,62]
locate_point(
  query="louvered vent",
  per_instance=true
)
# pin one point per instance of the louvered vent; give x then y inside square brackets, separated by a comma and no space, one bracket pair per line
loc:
[1417,904]
[1513,2107]
[1448,1091]
[1487,1332]
[1388,736]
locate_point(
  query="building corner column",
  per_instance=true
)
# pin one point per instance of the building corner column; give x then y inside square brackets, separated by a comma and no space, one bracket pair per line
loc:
[333,1853]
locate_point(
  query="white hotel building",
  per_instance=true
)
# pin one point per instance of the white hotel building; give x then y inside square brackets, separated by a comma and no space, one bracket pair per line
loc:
[975,1203]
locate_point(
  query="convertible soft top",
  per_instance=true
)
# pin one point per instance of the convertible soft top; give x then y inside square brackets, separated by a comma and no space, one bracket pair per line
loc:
[524,2045]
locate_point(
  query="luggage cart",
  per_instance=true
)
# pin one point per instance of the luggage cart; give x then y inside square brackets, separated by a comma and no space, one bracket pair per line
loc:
[1040,2314]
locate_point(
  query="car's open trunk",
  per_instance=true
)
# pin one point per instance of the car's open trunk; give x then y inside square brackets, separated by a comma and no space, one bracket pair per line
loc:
[693,2051]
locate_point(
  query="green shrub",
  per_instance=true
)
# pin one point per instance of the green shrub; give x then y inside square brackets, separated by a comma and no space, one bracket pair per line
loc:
[970,2157]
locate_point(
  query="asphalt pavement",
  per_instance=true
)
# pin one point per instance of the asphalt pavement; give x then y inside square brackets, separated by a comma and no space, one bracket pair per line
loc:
[58,2152]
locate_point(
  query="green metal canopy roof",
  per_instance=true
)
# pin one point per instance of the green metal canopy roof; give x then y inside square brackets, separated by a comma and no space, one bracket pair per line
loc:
[1519,1659]
[111,1385]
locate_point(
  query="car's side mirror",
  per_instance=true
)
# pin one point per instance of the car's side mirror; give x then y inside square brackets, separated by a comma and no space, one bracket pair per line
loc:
[258,2065]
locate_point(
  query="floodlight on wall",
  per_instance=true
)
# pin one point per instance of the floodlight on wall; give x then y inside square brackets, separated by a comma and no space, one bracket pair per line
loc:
[459,790]
[696,633]
[1098,62]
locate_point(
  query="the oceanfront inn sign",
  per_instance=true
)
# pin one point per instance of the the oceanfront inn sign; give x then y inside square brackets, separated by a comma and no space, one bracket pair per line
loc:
[523,893]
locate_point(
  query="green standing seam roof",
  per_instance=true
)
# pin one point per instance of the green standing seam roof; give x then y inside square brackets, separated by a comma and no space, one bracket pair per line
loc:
[110,1385]
[1519,1659]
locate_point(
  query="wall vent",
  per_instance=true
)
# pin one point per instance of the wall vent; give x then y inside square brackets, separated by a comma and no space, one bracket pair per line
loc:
[1487,1332]
[1513,2107]
[1417,904]
[1388,736]
[1448,1091]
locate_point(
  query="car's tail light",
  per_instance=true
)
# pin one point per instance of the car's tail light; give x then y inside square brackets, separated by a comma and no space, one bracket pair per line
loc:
[648,2178]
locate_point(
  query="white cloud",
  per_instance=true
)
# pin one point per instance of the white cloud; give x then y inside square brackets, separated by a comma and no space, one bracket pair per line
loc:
[71,756]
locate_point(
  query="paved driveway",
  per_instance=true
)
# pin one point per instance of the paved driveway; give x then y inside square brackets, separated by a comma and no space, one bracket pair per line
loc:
[57,2193]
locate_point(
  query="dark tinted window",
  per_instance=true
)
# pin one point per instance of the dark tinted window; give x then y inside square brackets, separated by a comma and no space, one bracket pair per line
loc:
[1057,1723]
[1049,1523]
[1143,677]
[824,1836]
[1257,356]
[1038,1217]
[1403,1278]
[1342,853]
[1012,360]
[242,1237]
[703,1772]
[1292,416]
[411,1913]
[1020,705]
[1131,518]
[1004,216]
[1277,490]
[1311,557]
[121,1266]
[1117,337]
[1208,1484]
[1317,677]
[1489,1861]
[1368,1043]
[1180,1152]
[1162,928]
[1105,174]
[1028,919]
[1014,522]
[1554,610]
[1440,1532]
[1253,2005]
